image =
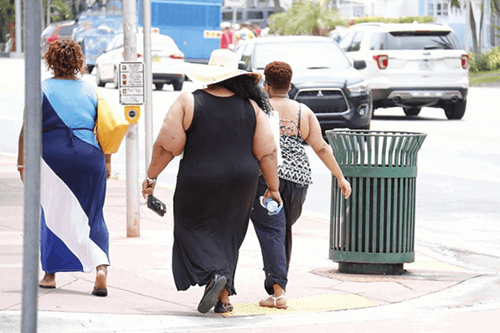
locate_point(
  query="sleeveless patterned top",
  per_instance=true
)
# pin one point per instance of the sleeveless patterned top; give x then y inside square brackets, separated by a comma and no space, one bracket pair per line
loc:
[295,167]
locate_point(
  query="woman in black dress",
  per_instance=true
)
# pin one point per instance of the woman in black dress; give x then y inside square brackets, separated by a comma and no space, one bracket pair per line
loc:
[226,141]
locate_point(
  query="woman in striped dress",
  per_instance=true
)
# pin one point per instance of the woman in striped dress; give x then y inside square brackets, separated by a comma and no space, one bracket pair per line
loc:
[74,236]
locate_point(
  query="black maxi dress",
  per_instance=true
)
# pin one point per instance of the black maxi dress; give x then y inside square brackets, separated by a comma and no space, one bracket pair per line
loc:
[216,185]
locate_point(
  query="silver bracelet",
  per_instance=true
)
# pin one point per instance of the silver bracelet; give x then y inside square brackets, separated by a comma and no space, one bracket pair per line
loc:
[151,181]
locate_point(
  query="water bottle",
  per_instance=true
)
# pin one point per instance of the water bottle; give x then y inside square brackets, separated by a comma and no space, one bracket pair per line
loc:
[271,205]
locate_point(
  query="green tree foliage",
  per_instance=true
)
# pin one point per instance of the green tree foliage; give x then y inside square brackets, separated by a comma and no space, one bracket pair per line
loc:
[305,17]
[7,14]
[485,61]
[406,19]
[60,11]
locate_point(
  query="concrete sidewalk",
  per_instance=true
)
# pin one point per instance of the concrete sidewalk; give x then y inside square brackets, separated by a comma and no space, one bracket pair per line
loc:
[142,295]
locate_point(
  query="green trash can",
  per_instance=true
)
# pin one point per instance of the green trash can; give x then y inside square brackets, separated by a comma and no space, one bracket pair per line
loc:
[373,232]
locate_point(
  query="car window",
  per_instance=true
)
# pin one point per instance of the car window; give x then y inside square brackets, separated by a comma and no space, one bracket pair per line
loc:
[356,42]
[66,30]
[346,41]
[421,40]
[48,31]
[302,55]
[158,42]
[239,51]
[377,41]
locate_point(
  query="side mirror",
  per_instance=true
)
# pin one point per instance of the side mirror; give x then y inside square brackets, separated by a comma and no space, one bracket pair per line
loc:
[242,65]
[359,64]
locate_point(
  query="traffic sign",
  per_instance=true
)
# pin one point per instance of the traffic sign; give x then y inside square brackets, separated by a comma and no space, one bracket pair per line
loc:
[131,83]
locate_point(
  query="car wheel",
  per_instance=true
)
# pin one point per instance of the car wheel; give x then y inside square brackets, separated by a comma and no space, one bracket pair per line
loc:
[177,85]
[115,78]
[412,111]
[455,110]
[90,68]
[159,86]
[98,78]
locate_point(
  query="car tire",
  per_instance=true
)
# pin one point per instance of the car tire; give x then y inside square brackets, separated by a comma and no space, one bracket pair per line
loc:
[455,111]
[177,85]
[115,78]
[98,78]
[411,112]
[90,68]
[159,86]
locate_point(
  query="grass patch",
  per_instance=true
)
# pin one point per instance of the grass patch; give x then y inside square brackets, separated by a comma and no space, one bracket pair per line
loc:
[484,77]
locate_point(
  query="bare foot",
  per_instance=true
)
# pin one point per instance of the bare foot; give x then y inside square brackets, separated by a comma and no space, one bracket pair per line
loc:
[48,281]
[100,287]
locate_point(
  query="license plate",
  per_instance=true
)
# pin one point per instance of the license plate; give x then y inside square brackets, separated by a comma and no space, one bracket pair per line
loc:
[156,59]
[427,65]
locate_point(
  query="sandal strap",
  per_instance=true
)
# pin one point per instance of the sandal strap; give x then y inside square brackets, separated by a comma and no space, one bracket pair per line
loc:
[277,298]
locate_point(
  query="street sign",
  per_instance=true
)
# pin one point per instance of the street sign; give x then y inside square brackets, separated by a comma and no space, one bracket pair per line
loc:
[131,83]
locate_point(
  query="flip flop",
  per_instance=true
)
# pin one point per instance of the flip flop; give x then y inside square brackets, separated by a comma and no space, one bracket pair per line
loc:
[100,292]
[211,294]
[274,302]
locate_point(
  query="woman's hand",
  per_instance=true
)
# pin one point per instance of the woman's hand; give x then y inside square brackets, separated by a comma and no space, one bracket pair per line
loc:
[21,173]
[345,187]
[108,170]
[275,195]
[147,188]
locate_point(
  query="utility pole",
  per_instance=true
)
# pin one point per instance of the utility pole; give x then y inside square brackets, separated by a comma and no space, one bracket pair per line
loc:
[467,26]
[32,156]
[19,31]
[132,141]
[148,80]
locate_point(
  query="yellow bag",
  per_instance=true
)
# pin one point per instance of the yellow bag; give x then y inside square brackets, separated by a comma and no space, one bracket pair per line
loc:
[111,127]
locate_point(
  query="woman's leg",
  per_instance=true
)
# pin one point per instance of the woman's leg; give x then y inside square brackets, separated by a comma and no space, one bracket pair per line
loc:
[100,287]
[48,281]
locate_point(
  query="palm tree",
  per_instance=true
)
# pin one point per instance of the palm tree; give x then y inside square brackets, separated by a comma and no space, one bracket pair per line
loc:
[304,18]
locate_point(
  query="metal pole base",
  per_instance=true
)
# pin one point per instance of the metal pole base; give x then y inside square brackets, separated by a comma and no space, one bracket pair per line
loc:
[376,269]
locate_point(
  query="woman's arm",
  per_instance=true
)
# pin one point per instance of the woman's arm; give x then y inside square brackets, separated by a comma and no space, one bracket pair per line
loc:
[20,154]
[264,150]
[324,151]
[171,138]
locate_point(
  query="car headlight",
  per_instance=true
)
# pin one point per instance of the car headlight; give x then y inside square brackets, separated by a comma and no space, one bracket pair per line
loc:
[358,88]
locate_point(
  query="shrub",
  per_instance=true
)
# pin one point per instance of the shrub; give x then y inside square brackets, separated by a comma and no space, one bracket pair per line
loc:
[481,62]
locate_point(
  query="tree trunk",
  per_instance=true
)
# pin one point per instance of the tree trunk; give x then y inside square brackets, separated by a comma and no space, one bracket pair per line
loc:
[277,6]
[496,3]
[473,30]
[12,27]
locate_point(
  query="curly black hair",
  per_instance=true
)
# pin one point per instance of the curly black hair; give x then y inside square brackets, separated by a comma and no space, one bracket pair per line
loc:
[245,87]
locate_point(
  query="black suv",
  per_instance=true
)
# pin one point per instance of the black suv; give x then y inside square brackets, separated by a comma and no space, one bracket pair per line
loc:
[323,77]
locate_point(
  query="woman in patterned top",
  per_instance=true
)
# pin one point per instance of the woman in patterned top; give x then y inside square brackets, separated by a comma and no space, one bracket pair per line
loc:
[297,124]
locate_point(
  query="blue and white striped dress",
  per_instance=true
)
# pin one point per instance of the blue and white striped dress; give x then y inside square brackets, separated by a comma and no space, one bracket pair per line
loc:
[74,235]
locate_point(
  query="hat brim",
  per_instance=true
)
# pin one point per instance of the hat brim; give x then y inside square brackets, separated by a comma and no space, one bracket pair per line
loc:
[207,75]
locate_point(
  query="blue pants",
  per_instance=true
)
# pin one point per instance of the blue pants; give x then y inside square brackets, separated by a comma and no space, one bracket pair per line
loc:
[275,231]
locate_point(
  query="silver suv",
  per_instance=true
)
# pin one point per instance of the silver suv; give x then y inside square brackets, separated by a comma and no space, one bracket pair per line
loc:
[411,65]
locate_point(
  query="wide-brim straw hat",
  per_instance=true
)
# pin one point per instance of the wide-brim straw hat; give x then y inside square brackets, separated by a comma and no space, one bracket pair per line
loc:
[222,65]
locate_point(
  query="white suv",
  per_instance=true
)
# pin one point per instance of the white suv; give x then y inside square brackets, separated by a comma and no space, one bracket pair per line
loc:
[411,65]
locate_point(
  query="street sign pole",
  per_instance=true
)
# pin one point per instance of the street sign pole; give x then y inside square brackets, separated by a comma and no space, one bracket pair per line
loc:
[32,154]
[132,141]
[148,78]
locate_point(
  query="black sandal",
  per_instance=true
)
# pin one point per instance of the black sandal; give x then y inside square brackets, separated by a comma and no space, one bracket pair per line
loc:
[211,294]
[223,307]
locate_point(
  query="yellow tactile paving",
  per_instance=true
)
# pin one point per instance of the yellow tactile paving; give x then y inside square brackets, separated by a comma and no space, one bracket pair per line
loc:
[317,303]
[434,265]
